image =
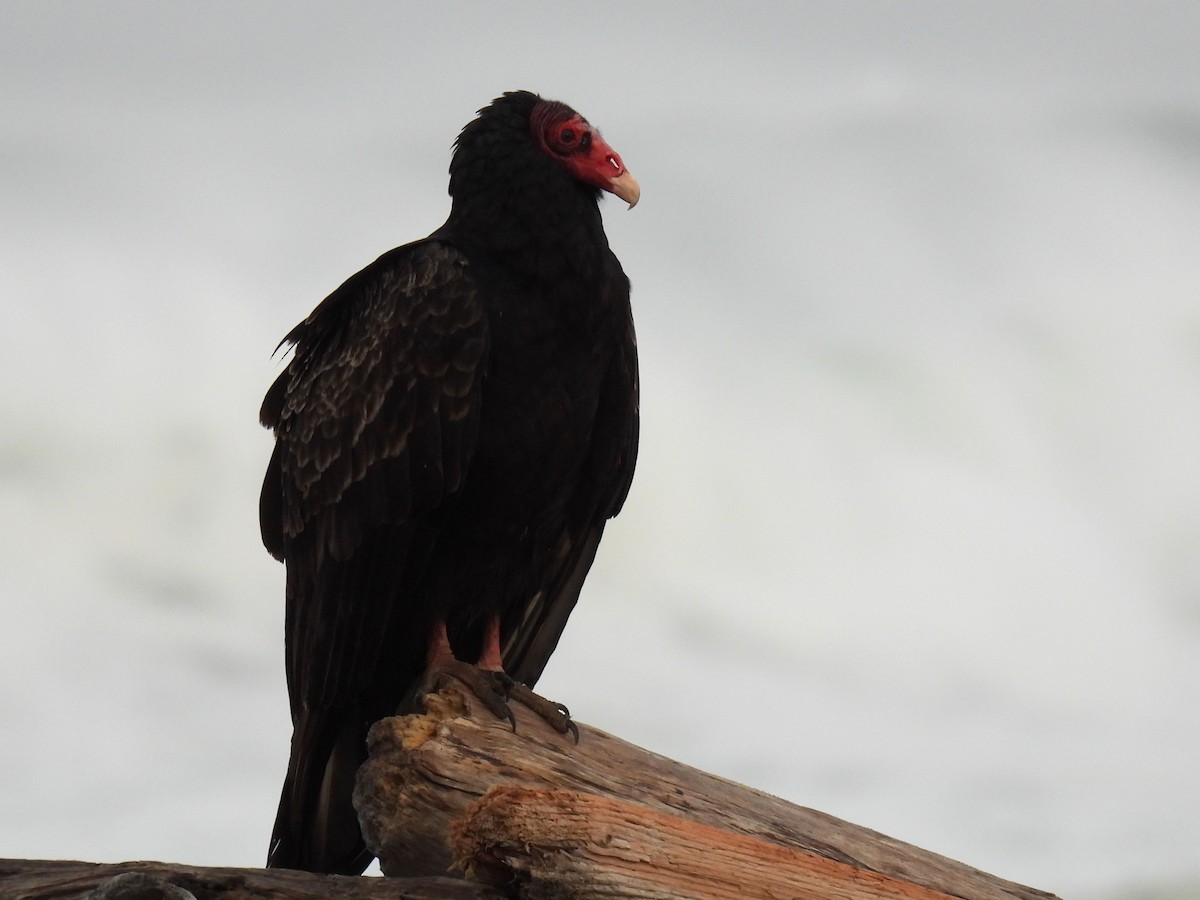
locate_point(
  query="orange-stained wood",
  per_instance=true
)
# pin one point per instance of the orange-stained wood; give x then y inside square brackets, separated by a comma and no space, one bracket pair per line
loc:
[582,845]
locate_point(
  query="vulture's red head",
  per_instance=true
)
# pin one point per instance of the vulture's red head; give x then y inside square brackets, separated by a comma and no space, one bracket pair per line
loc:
[517,143]
[567,137]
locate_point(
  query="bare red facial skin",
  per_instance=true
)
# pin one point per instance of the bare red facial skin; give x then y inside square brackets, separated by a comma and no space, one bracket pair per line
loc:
[568,138]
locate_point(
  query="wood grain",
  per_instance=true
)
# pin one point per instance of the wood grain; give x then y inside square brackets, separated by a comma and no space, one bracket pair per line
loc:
[572,844]
[427,773]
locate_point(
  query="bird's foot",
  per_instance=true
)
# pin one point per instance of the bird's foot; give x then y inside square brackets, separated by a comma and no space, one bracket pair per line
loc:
[554,714]
[494,689]
[491,688]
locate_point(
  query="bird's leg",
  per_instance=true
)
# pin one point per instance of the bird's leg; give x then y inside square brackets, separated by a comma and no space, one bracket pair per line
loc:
[491,659]
[490,685]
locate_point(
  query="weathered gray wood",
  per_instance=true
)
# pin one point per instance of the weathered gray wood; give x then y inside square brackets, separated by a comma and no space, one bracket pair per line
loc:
[52,879]
[426,772]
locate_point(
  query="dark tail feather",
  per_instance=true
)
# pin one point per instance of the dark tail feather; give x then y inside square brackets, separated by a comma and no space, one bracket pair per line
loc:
[316,828]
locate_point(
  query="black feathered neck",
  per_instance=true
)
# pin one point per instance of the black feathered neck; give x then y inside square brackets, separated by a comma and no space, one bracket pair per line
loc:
[513,201]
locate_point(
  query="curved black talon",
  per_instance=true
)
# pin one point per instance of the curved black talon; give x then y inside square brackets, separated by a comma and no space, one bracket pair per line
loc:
[556,715]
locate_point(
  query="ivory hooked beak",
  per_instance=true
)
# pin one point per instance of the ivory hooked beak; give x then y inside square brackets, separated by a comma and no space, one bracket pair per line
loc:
[626,187]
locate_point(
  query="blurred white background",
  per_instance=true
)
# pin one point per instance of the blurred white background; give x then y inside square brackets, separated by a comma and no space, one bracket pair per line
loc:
[914,537]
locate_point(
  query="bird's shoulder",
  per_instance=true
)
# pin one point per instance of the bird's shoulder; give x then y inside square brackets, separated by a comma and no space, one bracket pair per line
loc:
[384,316]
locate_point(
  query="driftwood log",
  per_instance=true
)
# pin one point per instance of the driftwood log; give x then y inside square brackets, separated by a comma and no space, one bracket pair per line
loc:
[56,879]
[458,807]
[455,789]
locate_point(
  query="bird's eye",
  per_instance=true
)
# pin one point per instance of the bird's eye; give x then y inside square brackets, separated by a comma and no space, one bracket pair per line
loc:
[568,135]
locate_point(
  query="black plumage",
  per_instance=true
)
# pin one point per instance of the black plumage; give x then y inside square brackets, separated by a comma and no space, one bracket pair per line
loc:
[457,423]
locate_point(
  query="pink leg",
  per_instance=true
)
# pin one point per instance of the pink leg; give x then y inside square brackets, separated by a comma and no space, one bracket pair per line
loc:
[490,658]
[439,652]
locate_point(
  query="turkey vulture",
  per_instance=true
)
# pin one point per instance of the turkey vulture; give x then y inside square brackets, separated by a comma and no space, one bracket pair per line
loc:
[456,424]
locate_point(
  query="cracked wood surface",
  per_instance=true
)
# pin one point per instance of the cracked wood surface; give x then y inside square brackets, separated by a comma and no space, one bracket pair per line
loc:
[433,778]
